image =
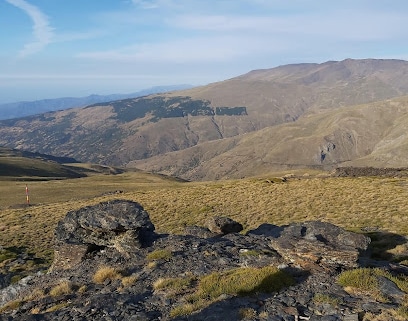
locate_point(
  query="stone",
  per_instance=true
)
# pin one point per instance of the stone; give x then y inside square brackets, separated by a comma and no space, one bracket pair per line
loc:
[121,224]
[267,230]
[67,256]
[351,317]
[390,290]
[199,231]
[312,244]
[223,225]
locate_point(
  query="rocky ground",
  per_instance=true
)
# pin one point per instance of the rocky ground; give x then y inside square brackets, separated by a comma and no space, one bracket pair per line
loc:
[370,171]
[118,237]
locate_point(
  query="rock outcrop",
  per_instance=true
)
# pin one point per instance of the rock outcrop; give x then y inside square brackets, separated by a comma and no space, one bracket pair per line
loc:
[123,225]
[313,244]
[119,237]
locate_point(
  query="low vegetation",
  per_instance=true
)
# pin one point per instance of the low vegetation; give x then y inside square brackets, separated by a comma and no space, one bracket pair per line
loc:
[106,273]
[174,285]
[366,281]
[159,255]
[63,288]
[325,299]
[370,205]
[240,281]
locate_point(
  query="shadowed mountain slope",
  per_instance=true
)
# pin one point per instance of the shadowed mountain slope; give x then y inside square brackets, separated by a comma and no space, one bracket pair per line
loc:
[23,164]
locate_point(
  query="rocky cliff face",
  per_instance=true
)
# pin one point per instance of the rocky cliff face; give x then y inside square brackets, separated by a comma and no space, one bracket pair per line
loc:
[111,265]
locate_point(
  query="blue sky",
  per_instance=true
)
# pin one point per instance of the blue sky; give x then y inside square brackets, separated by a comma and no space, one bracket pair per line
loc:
[58,48]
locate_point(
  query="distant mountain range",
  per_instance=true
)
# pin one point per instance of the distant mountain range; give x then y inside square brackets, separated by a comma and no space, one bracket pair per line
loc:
[27,108]
[338,113]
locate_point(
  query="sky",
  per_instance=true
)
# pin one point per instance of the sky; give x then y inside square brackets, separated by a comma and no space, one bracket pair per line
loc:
[74,48]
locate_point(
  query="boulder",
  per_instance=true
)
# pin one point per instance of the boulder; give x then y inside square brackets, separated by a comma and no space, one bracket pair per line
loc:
[199,231]
[121,224]
[223,225]
[315,243]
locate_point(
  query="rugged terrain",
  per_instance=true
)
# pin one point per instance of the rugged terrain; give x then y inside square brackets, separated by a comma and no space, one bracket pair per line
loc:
[338,113]
[110,264]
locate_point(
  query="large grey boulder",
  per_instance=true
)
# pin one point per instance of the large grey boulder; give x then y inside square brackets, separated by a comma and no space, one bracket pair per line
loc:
[121,224]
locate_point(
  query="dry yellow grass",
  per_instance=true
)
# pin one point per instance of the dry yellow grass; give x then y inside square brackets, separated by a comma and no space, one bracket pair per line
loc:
[64,287]
[104,273]
[351,203]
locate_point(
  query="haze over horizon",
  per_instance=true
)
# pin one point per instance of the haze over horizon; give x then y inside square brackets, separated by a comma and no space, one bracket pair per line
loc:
[77,48]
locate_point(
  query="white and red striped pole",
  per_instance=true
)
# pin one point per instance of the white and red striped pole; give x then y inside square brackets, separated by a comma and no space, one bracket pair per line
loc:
[27,196]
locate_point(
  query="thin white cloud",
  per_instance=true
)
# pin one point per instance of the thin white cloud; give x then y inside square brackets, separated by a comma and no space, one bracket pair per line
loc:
[146,4]
[343,24]
[151,4]
[42,31]
[189,50]
[77,76]
[74,36]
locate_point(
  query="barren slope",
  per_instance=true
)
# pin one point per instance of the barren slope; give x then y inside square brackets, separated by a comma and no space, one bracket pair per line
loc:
[365,135]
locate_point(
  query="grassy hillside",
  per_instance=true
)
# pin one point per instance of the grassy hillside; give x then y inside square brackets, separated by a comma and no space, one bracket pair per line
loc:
[22,165]
[354,203]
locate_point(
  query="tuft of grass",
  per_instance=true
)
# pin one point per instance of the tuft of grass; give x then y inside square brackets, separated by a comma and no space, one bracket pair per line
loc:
[385,315]
[185,309]
[159,255]
[129,280]
[10,306]
[176,285]
[403,311]
[325,298]
[35,310]
[365,280]
[104,273]
[63,288]
[250,253]
[7,255]
[247,313]
[82,289]
[35,294]
[152,265]
[57,307]
[241,281]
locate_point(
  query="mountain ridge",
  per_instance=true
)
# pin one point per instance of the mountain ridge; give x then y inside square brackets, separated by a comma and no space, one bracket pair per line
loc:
[27,108]
[310,111]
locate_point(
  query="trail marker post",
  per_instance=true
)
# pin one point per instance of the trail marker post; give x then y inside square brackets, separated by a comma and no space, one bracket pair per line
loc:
[27,195]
